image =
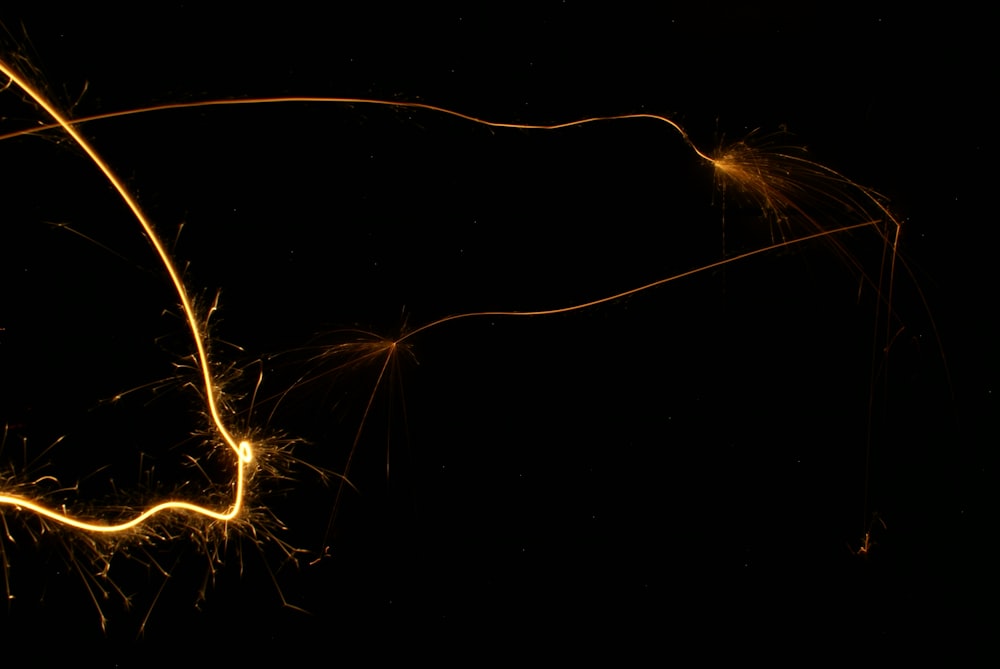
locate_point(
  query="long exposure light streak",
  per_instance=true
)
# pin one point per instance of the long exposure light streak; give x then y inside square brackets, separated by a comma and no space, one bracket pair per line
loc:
[241,449]
[785,185]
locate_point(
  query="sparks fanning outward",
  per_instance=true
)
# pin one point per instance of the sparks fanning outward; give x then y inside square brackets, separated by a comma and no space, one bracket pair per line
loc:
[784,184]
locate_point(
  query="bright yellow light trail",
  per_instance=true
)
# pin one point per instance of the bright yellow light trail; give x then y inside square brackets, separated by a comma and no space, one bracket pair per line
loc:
[246,456]
[242,449]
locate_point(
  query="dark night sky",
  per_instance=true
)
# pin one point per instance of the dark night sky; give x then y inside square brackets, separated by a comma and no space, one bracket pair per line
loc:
[687,463]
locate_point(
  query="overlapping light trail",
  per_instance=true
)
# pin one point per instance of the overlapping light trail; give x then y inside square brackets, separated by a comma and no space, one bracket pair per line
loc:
[777,180]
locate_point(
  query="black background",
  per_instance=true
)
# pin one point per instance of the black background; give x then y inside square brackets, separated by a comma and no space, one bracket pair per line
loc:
[683,465]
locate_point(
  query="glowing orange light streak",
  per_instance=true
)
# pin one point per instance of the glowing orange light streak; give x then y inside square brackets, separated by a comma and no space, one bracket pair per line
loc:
[242,449]
[643,288]
[378,103]
[780,181]
[245,457]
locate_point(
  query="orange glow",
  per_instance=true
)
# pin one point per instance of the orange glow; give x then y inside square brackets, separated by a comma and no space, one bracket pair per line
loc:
[784,184]
[242,450]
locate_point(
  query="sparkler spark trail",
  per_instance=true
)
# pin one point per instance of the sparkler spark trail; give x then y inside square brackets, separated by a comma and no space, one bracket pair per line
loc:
[785,185]
[377,103]
[241,449]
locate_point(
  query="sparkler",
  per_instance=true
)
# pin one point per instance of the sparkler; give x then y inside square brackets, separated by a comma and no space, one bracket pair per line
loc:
[787,186]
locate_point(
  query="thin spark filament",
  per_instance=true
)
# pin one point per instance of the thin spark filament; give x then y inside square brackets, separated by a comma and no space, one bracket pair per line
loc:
[640,289]
[381,103]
